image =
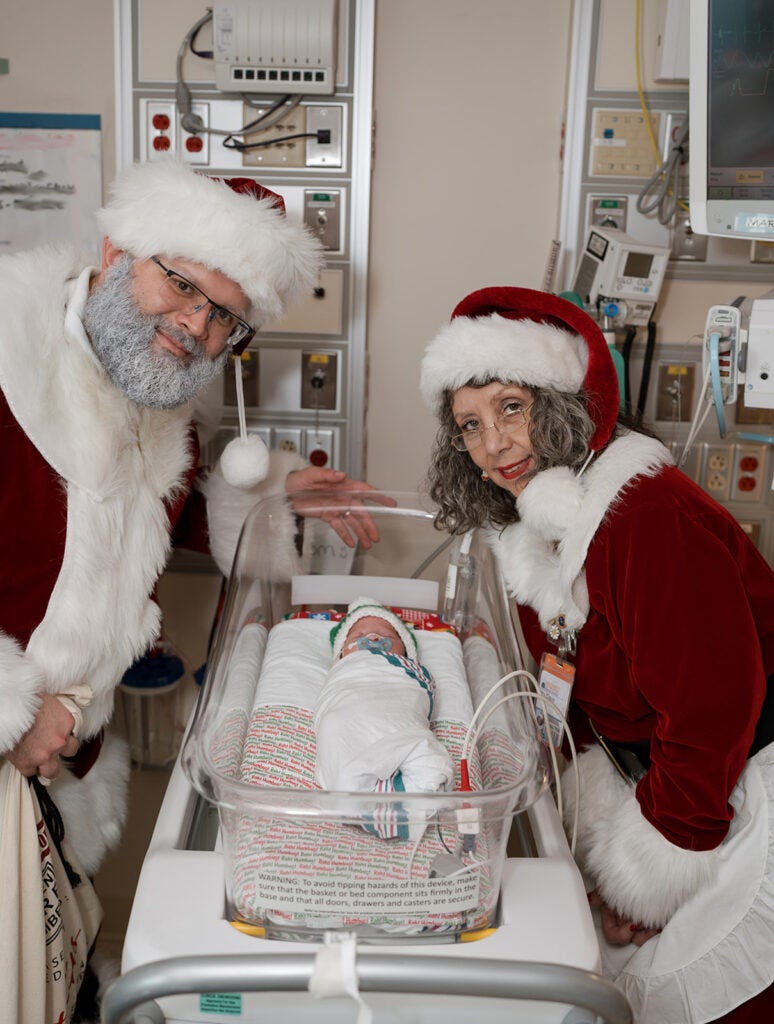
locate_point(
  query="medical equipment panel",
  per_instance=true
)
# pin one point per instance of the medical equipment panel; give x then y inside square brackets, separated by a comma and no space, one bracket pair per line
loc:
[279,91]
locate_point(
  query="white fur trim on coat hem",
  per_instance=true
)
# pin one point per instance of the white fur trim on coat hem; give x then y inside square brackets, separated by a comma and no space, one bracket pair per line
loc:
[635,870]
[716,952]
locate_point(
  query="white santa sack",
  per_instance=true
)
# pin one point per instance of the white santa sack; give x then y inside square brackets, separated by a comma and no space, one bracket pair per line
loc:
[47,927]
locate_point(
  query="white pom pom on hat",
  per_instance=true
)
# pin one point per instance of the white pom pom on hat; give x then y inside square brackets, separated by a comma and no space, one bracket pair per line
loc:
[367,607]
[245,461]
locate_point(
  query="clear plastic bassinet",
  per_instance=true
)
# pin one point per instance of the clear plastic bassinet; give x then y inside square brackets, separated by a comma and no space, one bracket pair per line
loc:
[299,860]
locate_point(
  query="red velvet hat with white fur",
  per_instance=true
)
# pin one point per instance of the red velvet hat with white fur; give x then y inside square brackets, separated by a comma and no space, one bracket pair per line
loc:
[234,225]
[529,338]
[165,208]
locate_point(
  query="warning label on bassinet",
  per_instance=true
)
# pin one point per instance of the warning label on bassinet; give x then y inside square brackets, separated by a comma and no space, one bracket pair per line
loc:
[410,896]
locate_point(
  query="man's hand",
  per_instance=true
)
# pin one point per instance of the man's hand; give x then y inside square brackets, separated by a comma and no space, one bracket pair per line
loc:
[618,930]
[51,735]
[345,510]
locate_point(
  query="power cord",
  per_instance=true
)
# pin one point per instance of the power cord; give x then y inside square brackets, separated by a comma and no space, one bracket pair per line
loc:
[471,738]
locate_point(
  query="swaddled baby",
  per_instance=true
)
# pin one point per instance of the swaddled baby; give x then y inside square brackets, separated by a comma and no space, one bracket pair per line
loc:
[372,716]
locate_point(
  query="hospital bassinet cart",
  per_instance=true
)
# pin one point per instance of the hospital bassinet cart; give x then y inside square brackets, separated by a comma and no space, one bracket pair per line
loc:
[442,905]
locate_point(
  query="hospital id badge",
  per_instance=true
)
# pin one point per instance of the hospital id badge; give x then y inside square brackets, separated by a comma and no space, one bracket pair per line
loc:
[555,679]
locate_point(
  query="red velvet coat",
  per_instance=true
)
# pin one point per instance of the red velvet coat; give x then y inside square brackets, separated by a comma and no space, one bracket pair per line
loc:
[674,612]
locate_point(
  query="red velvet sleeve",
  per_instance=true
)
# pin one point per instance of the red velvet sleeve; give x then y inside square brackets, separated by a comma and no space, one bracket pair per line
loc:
[676,592]
[188,512]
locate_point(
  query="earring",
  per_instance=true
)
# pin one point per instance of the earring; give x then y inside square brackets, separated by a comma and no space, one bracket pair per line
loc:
[484,475]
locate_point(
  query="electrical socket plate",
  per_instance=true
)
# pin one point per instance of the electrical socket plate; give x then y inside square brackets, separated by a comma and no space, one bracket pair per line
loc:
[159,139]
[191,141]
[716,471]
[287,439]
[282,154]
[748,472]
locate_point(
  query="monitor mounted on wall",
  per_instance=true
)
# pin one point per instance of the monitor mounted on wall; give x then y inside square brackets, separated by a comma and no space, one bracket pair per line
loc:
[731,114]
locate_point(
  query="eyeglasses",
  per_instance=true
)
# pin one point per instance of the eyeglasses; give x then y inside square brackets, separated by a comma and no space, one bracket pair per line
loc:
[509,422]
[226,326]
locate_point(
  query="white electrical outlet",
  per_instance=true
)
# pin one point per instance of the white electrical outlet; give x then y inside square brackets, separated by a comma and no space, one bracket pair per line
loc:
[287,439]
[716,471]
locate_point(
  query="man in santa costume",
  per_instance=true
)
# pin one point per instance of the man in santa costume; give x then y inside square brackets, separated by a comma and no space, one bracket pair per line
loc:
[661,612]
[99,367]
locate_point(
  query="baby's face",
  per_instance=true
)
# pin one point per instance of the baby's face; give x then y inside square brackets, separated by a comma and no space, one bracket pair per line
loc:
[372,625]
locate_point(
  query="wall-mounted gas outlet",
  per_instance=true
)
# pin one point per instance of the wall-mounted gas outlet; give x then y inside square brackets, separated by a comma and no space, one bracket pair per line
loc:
[319,385]
[676,383]
[322,215]
[250,380]
[716,471]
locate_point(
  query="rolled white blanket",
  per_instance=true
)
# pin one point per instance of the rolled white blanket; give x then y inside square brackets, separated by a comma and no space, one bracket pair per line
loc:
[372,720]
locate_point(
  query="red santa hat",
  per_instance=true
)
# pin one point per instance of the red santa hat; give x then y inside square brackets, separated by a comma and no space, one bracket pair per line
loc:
[524,337]
[233,225]
[366,607]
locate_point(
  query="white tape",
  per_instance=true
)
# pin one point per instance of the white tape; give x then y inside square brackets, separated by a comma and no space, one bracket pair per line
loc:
[334,972]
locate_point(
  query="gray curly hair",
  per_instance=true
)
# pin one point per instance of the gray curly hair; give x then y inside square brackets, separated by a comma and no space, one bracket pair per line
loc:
[559,430]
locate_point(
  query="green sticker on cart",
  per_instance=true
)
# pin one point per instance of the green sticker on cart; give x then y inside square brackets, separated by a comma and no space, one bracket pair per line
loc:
[221,1002]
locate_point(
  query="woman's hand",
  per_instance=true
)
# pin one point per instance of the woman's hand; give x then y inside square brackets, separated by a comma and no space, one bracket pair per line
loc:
[50,736]
[346,514]
[617,930]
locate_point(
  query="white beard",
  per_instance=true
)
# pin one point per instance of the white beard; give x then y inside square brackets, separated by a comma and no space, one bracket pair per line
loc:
[122,335]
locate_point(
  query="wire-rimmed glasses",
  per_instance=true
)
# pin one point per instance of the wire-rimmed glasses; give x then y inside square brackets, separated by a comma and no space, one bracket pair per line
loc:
[509,422]
[225,325]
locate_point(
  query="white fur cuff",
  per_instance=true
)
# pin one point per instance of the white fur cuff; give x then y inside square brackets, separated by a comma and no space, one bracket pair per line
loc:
[21,685]
[228,506]
[637,872]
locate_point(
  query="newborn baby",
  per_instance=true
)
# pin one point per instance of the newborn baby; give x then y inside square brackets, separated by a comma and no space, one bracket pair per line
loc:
[373,712]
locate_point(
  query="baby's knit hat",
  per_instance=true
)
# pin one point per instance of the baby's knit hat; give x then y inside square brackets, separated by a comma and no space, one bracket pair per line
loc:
[365,607]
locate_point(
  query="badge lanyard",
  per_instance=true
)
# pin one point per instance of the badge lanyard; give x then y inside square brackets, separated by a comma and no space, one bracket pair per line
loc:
[555,679]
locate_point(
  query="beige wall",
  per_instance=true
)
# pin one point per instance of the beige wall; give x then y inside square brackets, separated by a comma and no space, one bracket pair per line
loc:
[469,105]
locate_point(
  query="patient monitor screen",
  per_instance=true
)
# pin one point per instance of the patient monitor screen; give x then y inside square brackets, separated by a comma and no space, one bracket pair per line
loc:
[638,264]
[741,100]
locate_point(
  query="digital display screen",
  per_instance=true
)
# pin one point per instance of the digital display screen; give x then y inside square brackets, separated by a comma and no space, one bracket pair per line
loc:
[740,98]
[638,264]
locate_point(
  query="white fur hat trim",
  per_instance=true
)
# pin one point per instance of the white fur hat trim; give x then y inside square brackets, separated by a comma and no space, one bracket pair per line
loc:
[366,607]
[492,347]
[165,208]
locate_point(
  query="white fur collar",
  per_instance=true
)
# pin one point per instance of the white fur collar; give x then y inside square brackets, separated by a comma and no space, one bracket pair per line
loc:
[120,463]
[55,386]
[542,556]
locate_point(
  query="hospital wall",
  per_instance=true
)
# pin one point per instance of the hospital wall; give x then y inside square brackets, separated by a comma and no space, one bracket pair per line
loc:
[470,102]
